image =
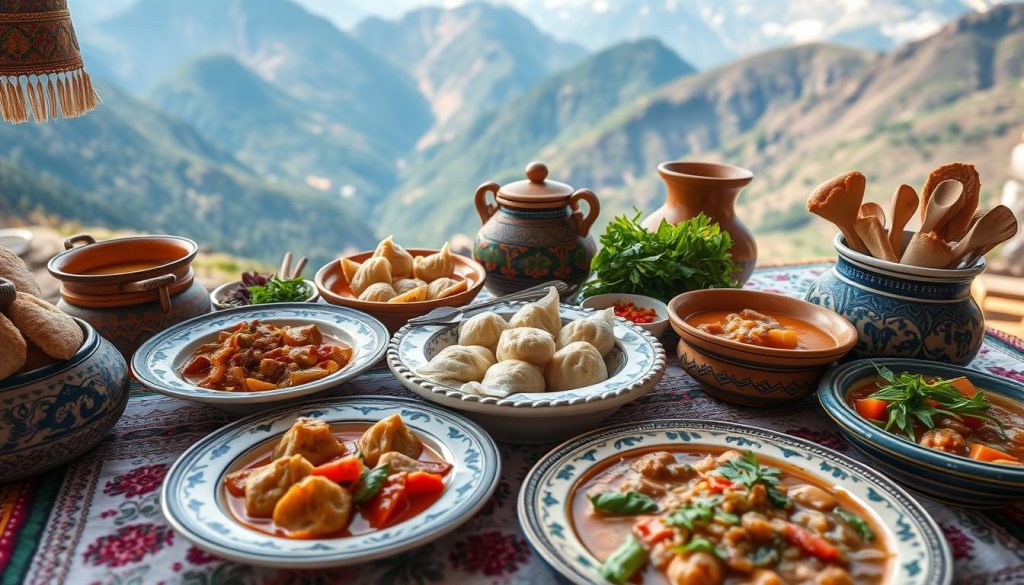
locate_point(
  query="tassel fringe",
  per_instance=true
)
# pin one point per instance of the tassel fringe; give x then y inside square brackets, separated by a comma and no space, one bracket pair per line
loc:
[68,94]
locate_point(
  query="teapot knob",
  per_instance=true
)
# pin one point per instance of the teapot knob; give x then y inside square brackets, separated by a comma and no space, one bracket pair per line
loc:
[537,172]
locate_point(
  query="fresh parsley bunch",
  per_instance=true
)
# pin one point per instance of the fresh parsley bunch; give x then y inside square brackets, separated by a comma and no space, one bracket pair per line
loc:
[279,290]
[661,264]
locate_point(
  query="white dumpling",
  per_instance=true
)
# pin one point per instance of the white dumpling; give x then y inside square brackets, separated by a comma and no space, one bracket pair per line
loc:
[574,366]
[508,377]
[439,265]
[483,329]
[378,292]
[597,330]
[404,285]
[400,260]
[458,363]
[371,271]
[542,314]
[527,344]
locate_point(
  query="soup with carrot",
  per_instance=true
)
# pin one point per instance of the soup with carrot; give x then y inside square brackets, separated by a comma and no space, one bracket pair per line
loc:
[953,416]
[754,328]
[323,482]
[720,517]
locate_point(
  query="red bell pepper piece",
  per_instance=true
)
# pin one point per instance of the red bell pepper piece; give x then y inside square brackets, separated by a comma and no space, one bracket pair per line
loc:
[651,531]
[387,505]
[717,483]
[422,482]
[813,544]
[344,470]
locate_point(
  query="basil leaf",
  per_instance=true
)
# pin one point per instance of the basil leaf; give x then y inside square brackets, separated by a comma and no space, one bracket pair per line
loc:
[629,558]
[371,482]
[701,544]
[858,523]
[623,503]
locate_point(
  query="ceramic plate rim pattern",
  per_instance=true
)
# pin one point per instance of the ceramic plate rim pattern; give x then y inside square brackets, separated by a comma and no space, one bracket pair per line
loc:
[470,485]
[635,340]
[571,560]
[152,362]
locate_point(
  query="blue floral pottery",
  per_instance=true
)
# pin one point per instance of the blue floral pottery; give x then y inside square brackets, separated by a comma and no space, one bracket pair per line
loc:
[901,310]
[55,414]
[955,480]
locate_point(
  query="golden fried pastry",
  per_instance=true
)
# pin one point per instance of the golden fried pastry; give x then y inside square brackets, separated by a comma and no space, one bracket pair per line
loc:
[968,176]
[54,332]
[14,269]
[12,358]
[838,200]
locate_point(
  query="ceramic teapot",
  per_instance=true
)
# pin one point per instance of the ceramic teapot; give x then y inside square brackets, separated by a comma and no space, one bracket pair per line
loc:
[534,231]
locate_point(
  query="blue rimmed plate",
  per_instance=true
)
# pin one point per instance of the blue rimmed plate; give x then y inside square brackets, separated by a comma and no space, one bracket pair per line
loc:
[158,363]
[921,554]
[948,478]
[635,365]
[194,505]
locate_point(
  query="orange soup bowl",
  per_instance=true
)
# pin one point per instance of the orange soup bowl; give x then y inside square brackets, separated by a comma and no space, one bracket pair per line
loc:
[754,375]
[334,289]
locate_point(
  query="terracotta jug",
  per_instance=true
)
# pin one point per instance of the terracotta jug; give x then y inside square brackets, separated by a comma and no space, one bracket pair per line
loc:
[694,187]
[534,231]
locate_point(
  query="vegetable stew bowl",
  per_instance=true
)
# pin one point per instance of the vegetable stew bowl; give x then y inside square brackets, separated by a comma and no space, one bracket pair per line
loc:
[949,478]
[193,503]
[752,375]
[635,366]
[158,363]
[921,555]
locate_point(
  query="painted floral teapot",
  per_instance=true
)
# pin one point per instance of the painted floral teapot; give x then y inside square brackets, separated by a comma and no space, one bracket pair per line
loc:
[534,231]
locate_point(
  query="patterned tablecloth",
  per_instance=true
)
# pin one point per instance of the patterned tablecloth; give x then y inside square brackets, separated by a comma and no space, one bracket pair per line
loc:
[98,519]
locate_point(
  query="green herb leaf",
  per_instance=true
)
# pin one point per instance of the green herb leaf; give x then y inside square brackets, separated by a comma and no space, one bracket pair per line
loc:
[371,482]
[279,290]
[749,472]
[699,543]
[697,512]
[858,523]
[692,255]
[623,503]
[629,558]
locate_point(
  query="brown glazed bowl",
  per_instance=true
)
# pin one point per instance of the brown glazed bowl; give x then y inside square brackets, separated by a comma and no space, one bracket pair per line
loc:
[749,374]
[334,289]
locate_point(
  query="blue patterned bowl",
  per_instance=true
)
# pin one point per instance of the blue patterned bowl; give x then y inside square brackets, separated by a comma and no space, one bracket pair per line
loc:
[194,505]
[55,414]
[955,480]
[921,555]
[903,311]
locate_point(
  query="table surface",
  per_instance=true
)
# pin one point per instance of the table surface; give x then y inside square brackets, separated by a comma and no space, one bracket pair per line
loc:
[98,519]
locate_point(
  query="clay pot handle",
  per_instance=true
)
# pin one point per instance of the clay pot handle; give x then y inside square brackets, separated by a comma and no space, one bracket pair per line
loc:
[78,239]
[162,282]
[485,209]
[7,293]
[583,225]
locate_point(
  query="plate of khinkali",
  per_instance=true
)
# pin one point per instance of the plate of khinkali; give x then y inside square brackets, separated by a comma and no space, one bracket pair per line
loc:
[530,372]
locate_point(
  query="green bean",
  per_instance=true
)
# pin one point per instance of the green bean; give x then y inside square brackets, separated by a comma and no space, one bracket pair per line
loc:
[625,561]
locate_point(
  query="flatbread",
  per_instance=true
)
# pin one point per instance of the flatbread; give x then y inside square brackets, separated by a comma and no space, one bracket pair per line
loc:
[56,333]
[14,269]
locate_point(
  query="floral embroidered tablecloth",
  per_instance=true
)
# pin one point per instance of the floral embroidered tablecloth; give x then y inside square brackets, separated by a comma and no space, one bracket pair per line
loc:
[98,519]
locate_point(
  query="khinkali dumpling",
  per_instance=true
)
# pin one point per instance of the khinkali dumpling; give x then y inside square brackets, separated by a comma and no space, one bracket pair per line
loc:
[574,366]
[528,344]
[265,485]
[444,287]
[371,271]
[542,314]
[414,295]
[439,265]
[457,364]
[386,435]
[314,507]
[508,377]
[483,329]
[400,260]
[312,438]
[378,292]
[404,285]
[597,330]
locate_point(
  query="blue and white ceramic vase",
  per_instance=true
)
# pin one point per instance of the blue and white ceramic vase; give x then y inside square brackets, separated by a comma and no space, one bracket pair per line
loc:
[903,311]
[54,414]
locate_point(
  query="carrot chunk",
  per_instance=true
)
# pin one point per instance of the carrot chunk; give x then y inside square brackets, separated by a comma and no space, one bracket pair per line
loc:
[872,408]
[964,386]
[985,453]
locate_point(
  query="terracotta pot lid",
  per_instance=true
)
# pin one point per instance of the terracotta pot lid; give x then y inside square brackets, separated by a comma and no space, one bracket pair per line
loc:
[536,189]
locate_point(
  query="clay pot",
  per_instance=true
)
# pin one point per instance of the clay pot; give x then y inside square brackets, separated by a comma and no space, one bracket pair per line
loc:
[535,231]
[711,188]
[129,288]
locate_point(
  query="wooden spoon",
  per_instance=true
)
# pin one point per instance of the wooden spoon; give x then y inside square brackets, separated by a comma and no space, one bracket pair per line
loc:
[928,250]
[872,234]
[299,267]
[904,204]
[971,257]
[286,265]
[993,228]
[838,200]
[872,209]
[946,201]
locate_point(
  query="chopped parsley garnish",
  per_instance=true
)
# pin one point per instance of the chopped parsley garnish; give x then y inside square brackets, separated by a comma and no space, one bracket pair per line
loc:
[858,523]
[749,472]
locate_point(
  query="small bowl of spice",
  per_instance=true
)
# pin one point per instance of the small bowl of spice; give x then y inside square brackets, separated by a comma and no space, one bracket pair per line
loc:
[646,312]
[254,288]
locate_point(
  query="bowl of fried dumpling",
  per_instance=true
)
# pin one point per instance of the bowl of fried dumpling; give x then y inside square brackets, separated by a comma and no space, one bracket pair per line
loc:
[530,372]
[395,284]
[331,482]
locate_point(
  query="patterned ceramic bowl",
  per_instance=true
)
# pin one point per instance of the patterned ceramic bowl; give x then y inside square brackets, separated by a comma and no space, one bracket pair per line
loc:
[656,327]
[956,480]
[55,414]
[158,363]
[748,374]
[921,553]
[194,503]
[903,311]
[635,365]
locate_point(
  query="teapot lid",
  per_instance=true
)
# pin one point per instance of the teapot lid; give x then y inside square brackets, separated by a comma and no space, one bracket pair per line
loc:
[536,189]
